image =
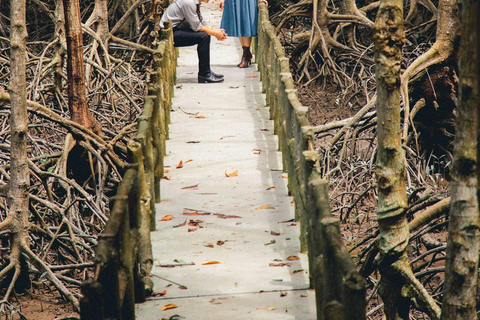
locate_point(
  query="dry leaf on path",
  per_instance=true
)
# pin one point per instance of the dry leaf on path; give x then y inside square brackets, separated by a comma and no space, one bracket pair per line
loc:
[194,187]
[291,258]
[267,206]
[181,224]
[166,218]
[193,212]
[180,165]
[189,160]
[169,306]
[200,117]
[233,174]
[252,76]
[210,262]
[226,216]
[281,264]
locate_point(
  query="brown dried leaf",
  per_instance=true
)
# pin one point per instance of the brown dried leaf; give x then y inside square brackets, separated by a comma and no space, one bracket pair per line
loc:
[194,187]
[281,264]
[181,224]
[211,262]
[166,218]
[193,212]
[180,164]
[226,216]
[292,258]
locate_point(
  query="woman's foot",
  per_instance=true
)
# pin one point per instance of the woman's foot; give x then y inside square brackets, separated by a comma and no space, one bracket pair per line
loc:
[246,58]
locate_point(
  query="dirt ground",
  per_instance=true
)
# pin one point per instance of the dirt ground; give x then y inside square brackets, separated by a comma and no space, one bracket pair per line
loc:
[40,305]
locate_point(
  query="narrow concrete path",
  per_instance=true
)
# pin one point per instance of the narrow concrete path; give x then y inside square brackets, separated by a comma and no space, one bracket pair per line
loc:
[230,249]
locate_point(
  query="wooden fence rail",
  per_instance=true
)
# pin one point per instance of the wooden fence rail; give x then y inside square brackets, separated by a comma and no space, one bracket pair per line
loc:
[123,256]
[339,288]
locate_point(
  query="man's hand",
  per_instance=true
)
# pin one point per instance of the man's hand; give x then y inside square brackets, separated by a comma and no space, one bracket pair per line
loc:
[220,34]
[217,33]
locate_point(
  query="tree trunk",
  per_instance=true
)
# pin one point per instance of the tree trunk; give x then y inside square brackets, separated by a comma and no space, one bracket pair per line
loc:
[389,37]
[19,172]
[60,46]
[463,231]
[77,102]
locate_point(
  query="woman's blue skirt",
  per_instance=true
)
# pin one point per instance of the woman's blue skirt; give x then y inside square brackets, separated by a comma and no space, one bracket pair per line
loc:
[240,18]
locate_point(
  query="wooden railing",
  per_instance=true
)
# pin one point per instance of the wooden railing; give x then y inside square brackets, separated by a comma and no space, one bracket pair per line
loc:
[123,256]
[339,288]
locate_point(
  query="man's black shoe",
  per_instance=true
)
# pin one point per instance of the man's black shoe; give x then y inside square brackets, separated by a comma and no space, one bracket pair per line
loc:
[209,78]
[218,75]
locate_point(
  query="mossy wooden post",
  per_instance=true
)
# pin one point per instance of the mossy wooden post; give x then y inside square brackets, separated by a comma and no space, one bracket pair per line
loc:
[310,170]
[108,260]
[144,245]
[127,244]
[318,207]
[144,137]
[158,139]
[169,70]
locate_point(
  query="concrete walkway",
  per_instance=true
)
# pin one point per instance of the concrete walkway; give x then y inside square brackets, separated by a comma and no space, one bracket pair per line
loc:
[227,248]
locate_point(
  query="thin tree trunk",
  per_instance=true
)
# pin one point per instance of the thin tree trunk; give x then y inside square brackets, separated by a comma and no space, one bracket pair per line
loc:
[389,37]
[19,172]
[60,47]
[463,231]
[77,102]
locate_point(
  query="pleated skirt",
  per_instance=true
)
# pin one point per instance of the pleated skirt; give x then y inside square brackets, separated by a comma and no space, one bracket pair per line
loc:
[240,18]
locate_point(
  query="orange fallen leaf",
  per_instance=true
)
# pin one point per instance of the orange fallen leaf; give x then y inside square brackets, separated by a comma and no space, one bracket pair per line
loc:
[200,117]
[211,262]
[169,306]
[166,178]
[180,165]
[192,229]
[252,76]
[271,309]
[189,160]
[233,174]
[255,149]
[264,207]
[270,188]
[165,171]
[291,258]
[166,218]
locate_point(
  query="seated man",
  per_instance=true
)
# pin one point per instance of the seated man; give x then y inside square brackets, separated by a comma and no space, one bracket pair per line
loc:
[190,29]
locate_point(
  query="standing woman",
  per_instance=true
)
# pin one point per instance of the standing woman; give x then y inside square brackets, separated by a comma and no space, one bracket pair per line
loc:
[240,19]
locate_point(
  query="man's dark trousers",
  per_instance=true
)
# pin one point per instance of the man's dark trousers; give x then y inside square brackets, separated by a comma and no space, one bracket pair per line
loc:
[183,37]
